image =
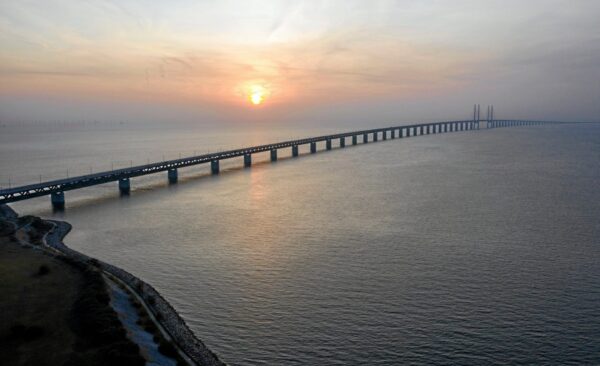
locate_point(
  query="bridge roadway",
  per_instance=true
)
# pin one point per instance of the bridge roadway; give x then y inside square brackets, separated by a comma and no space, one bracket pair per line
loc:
[56,188]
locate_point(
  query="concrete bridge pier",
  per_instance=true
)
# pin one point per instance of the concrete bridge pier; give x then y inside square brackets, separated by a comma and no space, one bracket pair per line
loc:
[393,134]
[58,200]
[365,138]
[172,175]
[375,136]
[328,144]
[342,142]
[247,160]
[124,186]
[384,135]
[354,140]
[294,150]
[273,154]
[214,166]
[408,131]
[313,147]
[421,130]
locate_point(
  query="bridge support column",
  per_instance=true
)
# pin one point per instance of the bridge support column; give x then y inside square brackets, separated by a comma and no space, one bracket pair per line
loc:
[58,200]
[328,144]
[342,142]
[124,186]
[421,130]
[313,147]
[354,140]
[375,136]
[214,166]
[273,154]
[295,150]
[408,131]
[247,160]
[365,138]
[172,175]
[393,133]
[401,133]
[384,135]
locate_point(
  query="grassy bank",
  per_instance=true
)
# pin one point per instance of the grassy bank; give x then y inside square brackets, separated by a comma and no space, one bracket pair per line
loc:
[55,311]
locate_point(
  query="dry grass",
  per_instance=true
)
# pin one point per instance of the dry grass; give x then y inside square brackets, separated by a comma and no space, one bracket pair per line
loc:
[34,309]
[55,311]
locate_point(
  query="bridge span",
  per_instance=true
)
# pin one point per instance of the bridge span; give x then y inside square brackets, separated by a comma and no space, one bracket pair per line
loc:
[57,188]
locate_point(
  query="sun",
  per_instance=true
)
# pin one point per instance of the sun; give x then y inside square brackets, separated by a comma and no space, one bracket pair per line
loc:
[257,94]
[256,98]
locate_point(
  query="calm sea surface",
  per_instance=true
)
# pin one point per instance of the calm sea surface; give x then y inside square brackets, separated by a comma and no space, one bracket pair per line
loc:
[469,248]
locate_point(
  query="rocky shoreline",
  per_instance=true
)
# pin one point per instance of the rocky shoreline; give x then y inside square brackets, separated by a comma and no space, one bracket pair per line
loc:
[162,310]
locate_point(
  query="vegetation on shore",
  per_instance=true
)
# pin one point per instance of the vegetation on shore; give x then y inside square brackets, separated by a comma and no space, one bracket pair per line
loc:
[54,310]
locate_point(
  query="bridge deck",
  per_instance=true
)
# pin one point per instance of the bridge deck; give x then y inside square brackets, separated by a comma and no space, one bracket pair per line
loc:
[61,185]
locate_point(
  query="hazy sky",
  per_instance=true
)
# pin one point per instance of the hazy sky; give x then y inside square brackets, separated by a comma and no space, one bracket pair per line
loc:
[371,61]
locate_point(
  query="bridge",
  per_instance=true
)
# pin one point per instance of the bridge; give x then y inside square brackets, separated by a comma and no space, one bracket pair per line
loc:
[57,188]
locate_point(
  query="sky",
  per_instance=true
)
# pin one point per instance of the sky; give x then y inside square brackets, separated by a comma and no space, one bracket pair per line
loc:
[366,62]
